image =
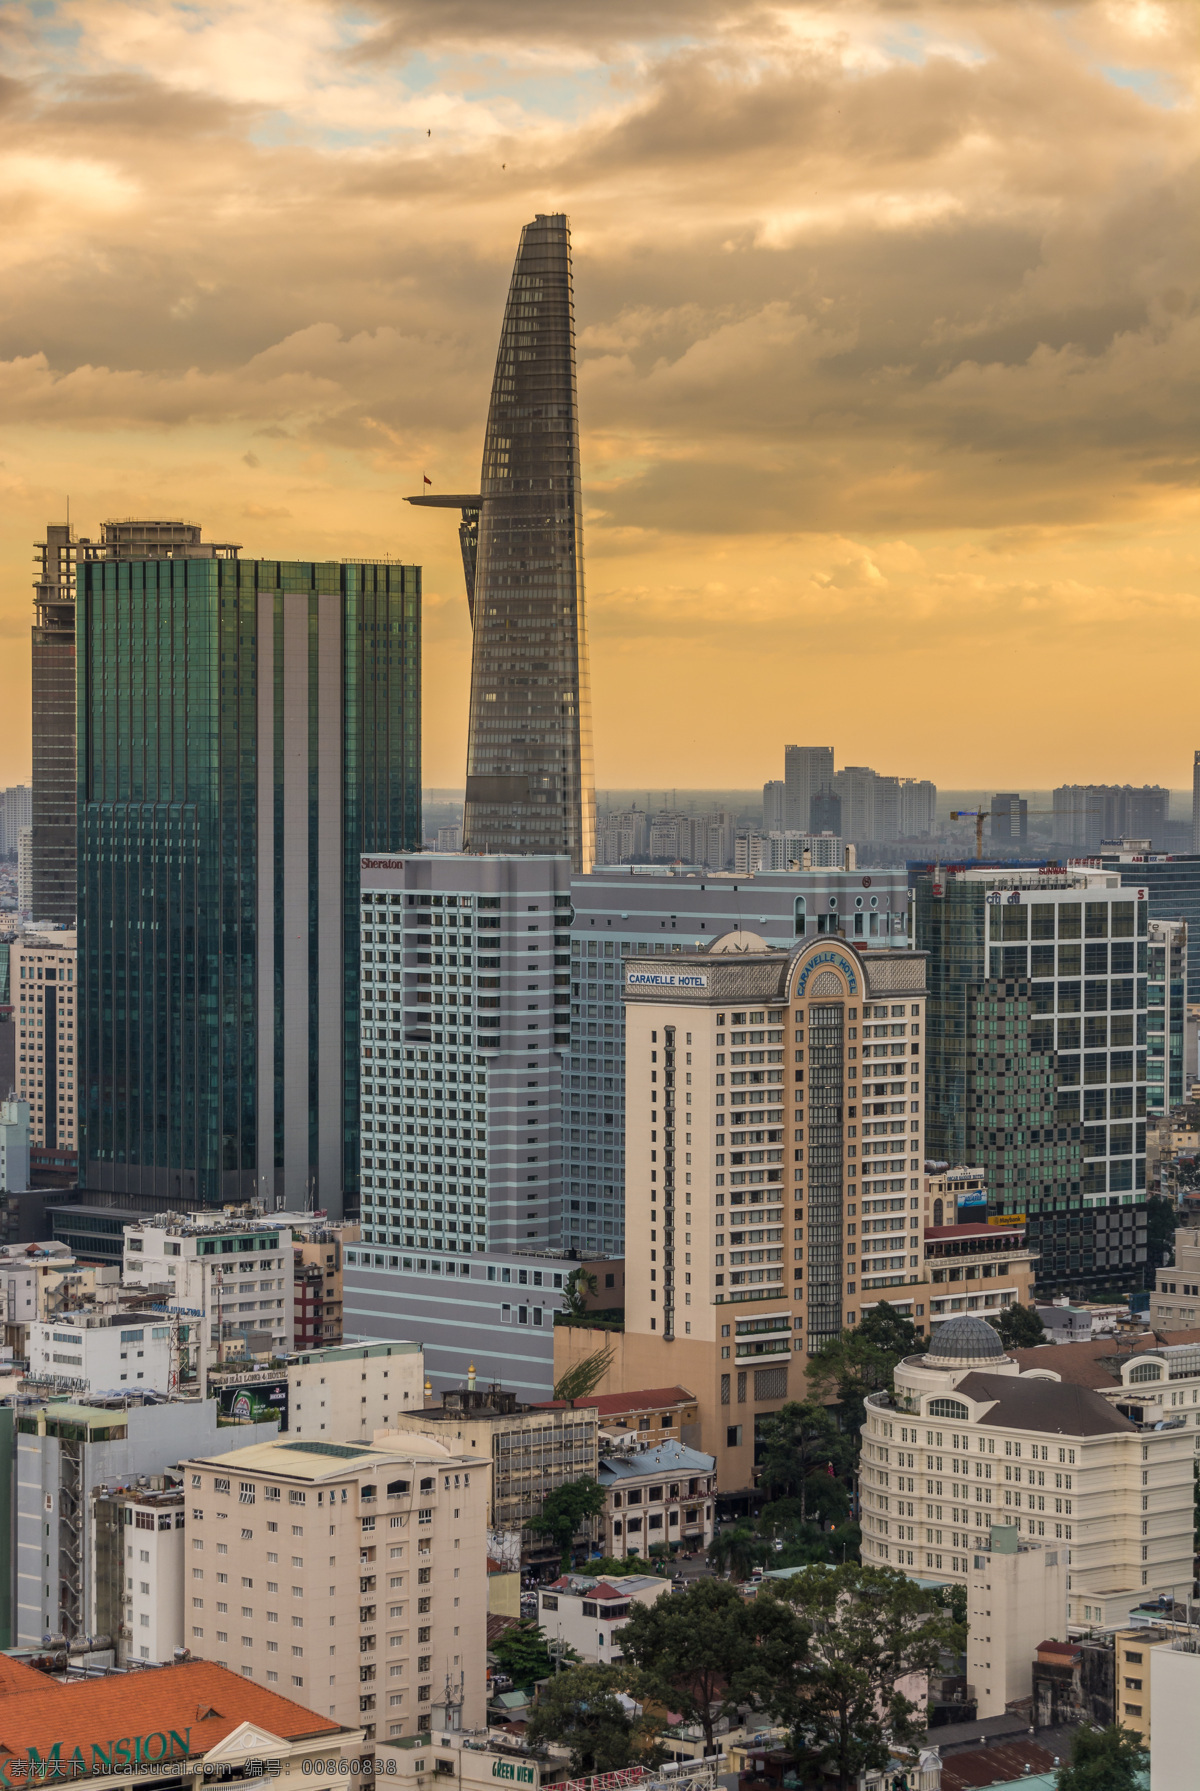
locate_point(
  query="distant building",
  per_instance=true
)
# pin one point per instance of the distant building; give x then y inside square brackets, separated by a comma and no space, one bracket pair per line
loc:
[14,1147]
[25,872]
[1010,819]
[918,808]
[748,853]
[622,837]
[1171,882]
[16,811]
[354,1389]
[105,1351]
[804,852]
[806,770]
[319,1259]
[774,806]
[1085,815]
[42,969]
[449,839]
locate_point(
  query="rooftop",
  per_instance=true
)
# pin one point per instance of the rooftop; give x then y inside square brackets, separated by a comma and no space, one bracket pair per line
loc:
[1096,1361]
[648,1399]
[198,1699]
[1056,1408]
[663,1458]
[315,1461]
[582,1585]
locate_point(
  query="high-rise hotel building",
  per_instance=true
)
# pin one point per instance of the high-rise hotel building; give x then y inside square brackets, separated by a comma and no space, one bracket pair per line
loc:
[530,785]
[774,1152]
[247,729]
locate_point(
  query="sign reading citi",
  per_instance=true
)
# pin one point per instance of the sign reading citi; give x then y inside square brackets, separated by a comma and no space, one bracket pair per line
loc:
[124,1754]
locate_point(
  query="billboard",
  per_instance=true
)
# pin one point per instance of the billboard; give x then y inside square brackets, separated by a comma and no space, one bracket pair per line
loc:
[255,1402]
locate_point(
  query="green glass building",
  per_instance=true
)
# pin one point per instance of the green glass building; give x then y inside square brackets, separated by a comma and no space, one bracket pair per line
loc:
[246,729]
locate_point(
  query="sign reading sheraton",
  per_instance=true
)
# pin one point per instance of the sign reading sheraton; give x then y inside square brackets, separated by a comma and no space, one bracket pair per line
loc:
[122,1754]
[664,979]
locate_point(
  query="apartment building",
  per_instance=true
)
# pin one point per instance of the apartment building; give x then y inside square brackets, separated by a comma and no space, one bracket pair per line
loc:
[1016,1596]
[354,1389]
[774,1115]
[42,983]
[319,1259]
[138,1562]
[231,1275]
[532,1450]
[968,1440]
[63,1452]
[352,1575]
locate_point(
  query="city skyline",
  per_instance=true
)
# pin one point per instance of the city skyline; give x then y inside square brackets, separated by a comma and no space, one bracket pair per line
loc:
[883,339]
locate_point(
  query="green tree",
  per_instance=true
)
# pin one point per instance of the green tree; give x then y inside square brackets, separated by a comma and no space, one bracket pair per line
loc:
[612,1567]
[585,1376]
[1161,1219]
[1019,1327]
[582,1711]
[795,1442]
[736,1550]
[565,1511]
[866,1628]
[1111,1759]
[523,1654]
[862,1361]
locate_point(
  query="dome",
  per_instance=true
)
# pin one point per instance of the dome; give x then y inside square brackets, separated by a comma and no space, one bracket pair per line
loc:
[963,1341]
[738,940]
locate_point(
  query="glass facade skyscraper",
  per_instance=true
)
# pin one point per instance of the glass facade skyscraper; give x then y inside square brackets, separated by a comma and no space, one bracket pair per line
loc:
[530,785]
[246,729]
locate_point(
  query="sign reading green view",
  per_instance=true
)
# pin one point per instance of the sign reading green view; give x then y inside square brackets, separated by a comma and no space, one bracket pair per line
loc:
[504,1769]
[121,1755]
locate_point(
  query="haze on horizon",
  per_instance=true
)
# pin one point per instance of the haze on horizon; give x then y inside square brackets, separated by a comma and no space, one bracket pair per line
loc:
[888,334]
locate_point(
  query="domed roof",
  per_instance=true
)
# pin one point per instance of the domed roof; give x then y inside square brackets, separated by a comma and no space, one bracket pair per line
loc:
[739,940]
[962,1340]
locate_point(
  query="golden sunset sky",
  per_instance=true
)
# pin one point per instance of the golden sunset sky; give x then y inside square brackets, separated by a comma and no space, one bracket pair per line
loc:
[888,333]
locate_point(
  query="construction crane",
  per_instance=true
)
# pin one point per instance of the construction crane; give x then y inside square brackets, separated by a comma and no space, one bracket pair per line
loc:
[979,815]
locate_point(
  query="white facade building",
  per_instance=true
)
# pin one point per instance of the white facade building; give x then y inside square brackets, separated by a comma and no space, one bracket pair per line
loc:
[139,1552]
[968,1440]
[232,1280]
[1016,1597]
[104,1352]
[589,1614]
[354,1389]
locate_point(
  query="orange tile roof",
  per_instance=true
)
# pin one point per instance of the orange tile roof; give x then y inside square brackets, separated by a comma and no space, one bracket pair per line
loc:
[18,1676]
[200,1701]
[647,1400]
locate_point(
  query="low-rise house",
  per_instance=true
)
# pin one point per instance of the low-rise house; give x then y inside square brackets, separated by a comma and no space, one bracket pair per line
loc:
[662,1495]
[589,1614]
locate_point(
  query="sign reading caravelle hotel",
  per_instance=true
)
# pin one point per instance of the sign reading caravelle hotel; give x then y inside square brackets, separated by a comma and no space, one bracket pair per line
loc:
[187,1722]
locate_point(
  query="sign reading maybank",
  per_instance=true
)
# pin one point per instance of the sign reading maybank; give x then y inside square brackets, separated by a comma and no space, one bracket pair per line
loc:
[665,979]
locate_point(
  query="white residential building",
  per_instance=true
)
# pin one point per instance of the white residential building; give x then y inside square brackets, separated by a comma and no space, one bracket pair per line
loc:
[1016,1596]
[589,1614]
[664,1495]
[232,1277]
[104,1351]
[352,1576]
[968,1440]
[354,1389]
[138,1560]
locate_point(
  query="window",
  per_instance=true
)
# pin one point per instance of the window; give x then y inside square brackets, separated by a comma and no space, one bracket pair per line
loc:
[733,1436]
[948,1408]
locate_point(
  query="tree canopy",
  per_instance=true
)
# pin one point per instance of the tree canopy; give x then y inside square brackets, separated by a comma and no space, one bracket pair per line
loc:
[1111,1759]
[524,1655]
[585,1376]
[565,1510]
[798,1442]
[1019,1327]
[862,1361]
[581,1710]
[865,1628]
[706,1651]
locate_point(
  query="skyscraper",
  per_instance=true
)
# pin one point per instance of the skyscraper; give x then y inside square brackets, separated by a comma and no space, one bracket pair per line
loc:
[530,785]
[52,863]
[806,770]
[246,730]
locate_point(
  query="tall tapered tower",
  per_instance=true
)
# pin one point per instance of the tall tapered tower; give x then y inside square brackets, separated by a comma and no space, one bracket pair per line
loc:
[530,784]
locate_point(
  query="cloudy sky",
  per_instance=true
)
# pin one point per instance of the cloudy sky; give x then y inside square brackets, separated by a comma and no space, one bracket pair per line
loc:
[888,334]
